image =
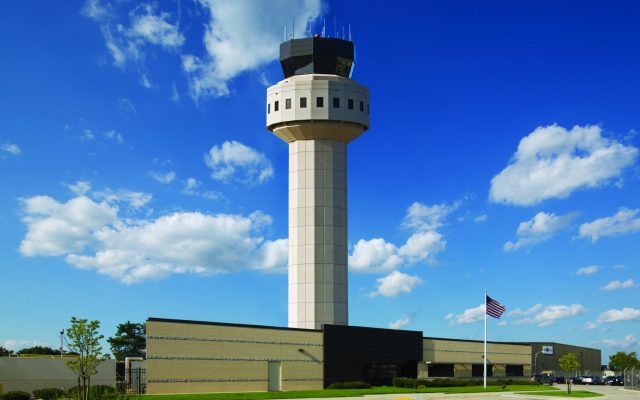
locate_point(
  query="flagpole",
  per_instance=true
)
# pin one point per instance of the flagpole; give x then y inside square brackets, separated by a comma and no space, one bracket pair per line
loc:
[485,340]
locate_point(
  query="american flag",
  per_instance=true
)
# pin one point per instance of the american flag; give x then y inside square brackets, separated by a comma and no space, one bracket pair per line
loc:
[494,309]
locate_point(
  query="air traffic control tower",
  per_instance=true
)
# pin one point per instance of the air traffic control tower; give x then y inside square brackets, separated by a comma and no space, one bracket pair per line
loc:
[317,109]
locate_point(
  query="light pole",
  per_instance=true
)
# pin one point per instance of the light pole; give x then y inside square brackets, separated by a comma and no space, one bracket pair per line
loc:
[535,363]
[61,338]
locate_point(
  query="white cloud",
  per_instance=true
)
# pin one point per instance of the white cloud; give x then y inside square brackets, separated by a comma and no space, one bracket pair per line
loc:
[95,10]
[80,188]
[617,285]
[402,322]
[468,316]
[164,178]
[553,162]
[236,161]
[590,326]
[622,222]
[628,342]
[531,310]
[54,229]
[18,344]
[131,198]
[92,236]
[396,283]
[11,148]
[422,246]
[127,107]
[191,186]
[538,229]
[113,135]
[590,270]
[614,315]
[424,217]
[375,255]
[156,30]
[481,218]
[548,315]
[240,36]
[175,96]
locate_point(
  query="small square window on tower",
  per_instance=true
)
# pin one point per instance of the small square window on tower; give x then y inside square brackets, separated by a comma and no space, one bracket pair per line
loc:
[350,104]
[336,102]
[303,102]
[276,105]
[319,102]
[287,104]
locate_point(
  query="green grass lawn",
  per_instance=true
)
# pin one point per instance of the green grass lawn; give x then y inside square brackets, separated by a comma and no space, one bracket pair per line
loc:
[307,394]
[563,393]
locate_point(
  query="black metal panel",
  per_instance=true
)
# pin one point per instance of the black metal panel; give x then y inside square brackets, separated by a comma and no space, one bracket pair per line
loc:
[317,55]
[372,355]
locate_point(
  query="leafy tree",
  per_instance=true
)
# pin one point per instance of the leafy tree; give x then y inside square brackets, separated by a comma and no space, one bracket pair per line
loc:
[129,341]
[569,363]
[43,350]
[83,339]
[5,352]
[620,361]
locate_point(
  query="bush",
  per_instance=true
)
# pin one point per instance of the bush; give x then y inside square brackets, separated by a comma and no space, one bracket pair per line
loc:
[16,395]
[97,392]
[48,393]
[349,385]
[403,382]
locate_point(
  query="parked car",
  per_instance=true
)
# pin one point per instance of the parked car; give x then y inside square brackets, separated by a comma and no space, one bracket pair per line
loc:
[576,380]
[544,379]
[592,380]
[559,379]
[614,380]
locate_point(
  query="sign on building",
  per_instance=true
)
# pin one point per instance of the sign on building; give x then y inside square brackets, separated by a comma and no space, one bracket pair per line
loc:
[547,350]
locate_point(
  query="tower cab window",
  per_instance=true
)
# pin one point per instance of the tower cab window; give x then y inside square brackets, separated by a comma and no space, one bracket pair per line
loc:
[268,108]
[287,104]
[361,106]
[276,105]
[319,102]
[303,102]
[350,104]
[336,102]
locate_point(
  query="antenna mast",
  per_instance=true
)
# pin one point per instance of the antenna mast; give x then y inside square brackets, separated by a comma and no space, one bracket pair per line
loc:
[350,33]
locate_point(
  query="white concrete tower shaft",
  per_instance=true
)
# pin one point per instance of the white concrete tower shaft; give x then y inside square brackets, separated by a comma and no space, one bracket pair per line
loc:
[317,114]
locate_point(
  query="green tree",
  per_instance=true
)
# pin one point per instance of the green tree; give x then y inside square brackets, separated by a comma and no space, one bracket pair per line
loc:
[129,341]
[83,338]
[620,361]
[43,350]
[569,363]
[5,352]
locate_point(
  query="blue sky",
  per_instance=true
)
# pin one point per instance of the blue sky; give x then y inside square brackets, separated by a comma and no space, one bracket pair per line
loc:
[138,178]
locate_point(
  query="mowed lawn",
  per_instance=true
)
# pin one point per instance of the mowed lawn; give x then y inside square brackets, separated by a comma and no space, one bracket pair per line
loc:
[308,394]
[563,393]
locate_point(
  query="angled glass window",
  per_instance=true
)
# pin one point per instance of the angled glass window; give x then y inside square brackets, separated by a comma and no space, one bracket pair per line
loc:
[303,102]
[268,108]
[287,104]
[319,102]
[361,106]
[336,102]
[350,104]
[276,105]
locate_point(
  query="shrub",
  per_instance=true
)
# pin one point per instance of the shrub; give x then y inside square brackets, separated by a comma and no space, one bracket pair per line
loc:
[403,382]
[16,395]
[48,393]
[97,392]
[349,385]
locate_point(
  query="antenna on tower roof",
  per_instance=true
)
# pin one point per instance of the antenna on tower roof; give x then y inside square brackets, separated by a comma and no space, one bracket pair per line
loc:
[335,30]
[293,29]
[350,33]
[324,27]
[285,33]
[309,28]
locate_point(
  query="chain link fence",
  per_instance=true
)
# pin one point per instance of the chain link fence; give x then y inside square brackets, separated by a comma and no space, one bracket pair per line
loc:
[632,378]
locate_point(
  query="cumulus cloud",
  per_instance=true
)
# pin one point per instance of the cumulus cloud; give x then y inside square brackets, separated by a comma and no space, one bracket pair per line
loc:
[129,197]
[235,161]
[529,311]
[481,218]
[402,322]
[553,162]
[590,326]
[239,37]
[80,188]
[541,227]
[614,315]
[114,135]
[468,316]
[628,342]
[11,148]
[163,177]
[155,29]
[17,344]
[617,285]
[590,270]
[623,222]
[191,188]
[548,315]
[378,255]
[396,283]
[92,236]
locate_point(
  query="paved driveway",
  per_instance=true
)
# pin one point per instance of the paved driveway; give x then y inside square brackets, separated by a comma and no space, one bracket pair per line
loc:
[610,392]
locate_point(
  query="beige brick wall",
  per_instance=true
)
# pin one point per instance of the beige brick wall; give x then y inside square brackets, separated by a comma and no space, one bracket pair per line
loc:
[200,358]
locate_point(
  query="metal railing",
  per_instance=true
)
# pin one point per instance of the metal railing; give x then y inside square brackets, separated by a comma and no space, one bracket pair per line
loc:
[632,378]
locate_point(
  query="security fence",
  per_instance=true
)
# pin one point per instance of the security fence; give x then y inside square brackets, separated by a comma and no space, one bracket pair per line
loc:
[632,378]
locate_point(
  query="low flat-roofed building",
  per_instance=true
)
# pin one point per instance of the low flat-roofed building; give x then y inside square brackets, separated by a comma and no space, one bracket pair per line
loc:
[457,358]
[545,356]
